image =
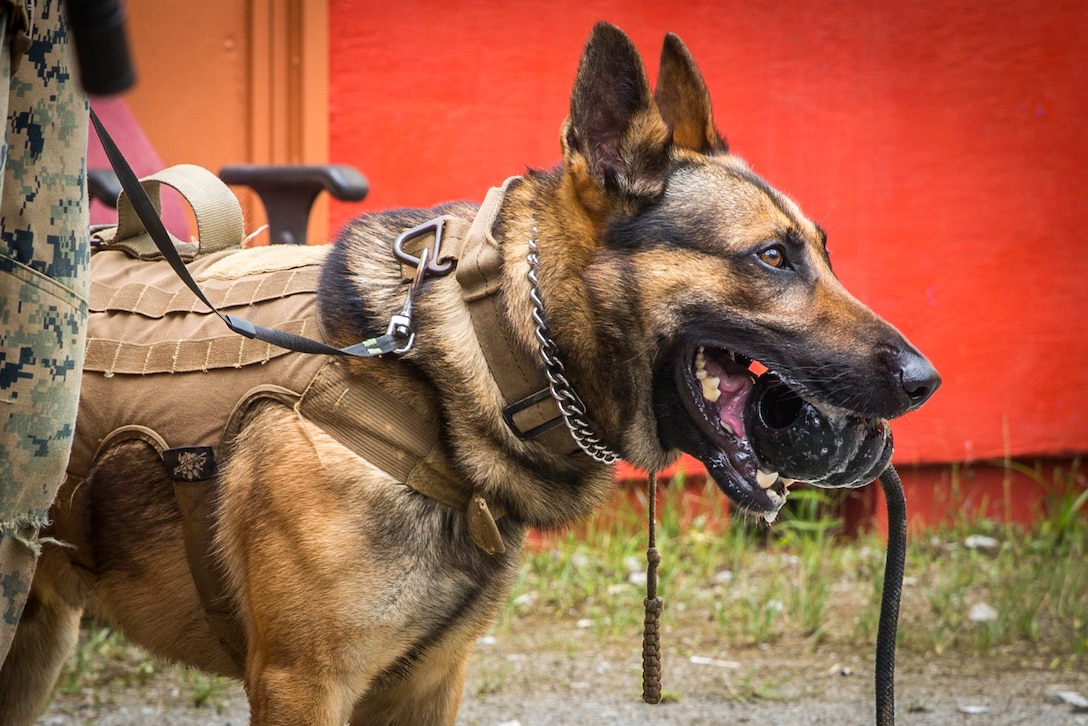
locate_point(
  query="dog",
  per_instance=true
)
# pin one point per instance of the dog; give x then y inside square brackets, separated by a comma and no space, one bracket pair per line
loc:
[635,283]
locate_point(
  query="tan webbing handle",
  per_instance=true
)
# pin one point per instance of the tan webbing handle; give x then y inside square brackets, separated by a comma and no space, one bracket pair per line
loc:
[218,215]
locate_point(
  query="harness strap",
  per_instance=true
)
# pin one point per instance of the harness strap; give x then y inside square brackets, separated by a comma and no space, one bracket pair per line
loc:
[530,411]
[196,501]
[401,441]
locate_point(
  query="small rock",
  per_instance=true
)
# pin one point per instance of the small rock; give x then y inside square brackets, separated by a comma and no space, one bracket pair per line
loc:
[703,660]
[1072,698]
[637,578]
[515,722]
[974,710]
[724,577]
[527,598]
[982,612]
[487,640]
[585,623]
[980,542]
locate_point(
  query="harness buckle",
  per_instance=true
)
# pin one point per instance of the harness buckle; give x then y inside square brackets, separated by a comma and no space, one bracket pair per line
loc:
[433,267]
[517,407]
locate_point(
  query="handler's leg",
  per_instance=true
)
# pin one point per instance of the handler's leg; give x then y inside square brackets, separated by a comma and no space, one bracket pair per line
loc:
[44,260]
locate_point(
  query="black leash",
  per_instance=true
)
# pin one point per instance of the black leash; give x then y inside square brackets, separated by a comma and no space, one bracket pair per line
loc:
[890,595]
[397,338]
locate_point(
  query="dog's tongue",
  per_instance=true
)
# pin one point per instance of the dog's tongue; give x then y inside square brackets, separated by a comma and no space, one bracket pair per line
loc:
[734,388]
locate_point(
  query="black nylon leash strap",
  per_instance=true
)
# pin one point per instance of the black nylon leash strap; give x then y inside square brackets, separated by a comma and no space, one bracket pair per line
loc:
[145,210]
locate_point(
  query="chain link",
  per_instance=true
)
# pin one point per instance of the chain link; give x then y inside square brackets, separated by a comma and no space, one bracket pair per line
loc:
[570,404]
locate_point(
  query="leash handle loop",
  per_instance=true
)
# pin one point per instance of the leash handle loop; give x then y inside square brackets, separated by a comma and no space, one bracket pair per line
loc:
[651,632]
[145,211]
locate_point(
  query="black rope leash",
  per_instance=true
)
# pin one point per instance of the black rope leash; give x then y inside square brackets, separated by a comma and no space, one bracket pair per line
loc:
[891,593]
[651,635]
[894,565]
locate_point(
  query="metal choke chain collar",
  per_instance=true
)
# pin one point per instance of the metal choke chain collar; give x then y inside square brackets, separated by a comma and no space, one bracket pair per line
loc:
[570,404]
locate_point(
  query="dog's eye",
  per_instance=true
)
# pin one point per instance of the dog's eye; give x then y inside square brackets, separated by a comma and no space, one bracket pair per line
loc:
[774,256]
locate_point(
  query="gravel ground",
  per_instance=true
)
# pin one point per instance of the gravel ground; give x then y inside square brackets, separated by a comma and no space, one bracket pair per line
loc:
[554,674]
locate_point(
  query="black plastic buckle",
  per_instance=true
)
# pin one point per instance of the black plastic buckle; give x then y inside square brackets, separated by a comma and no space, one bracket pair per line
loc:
[433,267]
[519,406]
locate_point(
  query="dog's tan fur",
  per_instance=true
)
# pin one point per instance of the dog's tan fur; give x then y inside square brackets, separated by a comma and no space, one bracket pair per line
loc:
[361,599]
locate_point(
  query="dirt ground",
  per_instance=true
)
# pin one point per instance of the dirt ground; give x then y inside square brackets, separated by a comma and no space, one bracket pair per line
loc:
[551,673]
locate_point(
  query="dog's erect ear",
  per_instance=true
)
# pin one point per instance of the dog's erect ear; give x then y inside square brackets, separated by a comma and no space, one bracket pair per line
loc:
[614,135]
[684,102]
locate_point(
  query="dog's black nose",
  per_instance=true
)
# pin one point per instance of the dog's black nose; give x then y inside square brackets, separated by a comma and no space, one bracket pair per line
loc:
[920,379]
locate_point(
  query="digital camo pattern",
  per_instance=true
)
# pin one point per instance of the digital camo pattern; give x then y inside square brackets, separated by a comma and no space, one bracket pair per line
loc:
[44,260]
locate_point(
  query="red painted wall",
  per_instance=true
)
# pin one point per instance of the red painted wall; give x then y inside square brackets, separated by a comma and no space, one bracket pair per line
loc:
[943,147]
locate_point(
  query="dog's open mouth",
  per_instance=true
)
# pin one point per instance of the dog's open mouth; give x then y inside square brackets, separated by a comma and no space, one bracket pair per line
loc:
[757,437]
[714,386]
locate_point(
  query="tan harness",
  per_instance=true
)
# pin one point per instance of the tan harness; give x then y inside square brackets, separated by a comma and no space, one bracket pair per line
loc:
[146,330]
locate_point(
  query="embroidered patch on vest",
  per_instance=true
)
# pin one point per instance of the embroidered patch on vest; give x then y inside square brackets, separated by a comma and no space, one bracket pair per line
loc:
[189,463]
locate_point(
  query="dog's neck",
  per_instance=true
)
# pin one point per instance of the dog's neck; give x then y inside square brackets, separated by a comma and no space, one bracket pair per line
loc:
[546,402]
[571,407]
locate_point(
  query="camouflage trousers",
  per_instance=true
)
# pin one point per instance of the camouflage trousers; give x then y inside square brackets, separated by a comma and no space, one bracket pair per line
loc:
[44,262]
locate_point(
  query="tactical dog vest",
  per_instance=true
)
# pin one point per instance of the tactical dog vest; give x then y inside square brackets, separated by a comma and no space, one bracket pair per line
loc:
[162,368]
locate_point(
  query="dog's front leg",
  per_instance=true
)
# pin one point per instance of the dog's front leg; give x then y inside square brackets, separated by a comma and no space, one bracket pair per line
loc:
[430,697]
[294,696]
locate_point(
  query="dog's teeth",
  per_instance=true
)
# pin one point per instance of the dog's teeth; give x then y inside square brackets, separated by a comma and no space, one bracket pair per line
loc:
[701,374]
[769,517]
[787,482]
[710,389]
[729,427]
[766,479]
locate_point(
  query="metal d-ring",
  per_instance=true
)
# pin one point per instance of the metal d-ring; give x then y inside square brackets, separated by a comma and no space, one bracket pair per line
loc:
[432,265]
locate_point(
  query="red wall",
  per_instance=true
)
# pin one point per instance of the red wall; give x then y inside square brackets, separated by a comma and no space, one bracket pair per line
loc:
[943,147]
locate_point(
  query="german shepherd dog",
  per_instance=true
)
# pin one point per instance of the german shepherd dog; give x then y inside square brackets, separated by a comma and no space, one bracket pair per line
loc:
[662,263]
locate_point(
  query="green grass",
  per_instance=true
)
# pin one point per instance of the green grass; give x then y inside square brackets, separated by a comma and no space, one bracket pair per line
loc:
[799,579]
